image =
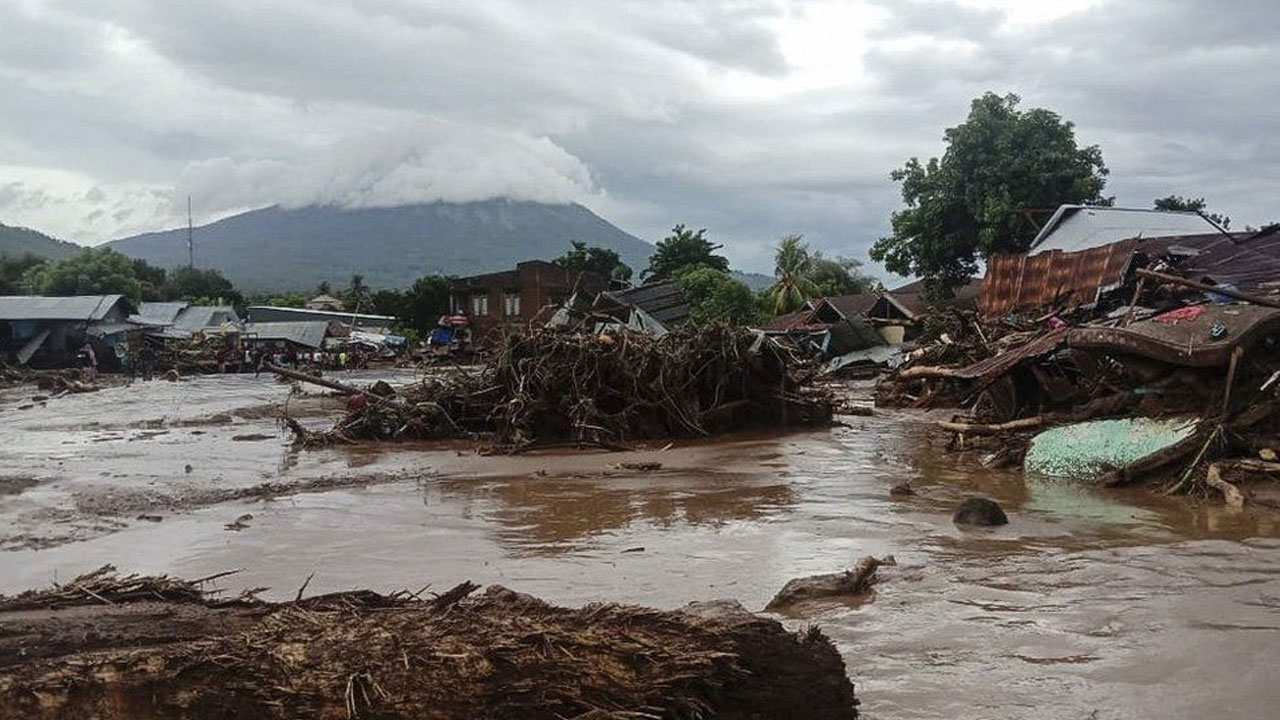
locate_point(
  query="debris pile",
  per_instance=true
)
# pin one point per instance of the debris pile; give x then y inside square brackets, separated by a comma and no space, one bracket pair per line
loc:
[360,654]
[603,390]
[1194,365]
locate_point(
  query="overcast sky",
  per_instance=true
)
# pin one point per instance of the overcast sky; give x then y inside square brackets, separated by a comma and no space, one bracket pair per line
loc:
[751,118]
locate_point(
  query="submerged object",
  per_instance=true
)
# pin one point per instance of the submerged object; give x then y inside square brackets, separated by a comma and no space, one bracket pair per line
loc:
[1089,449]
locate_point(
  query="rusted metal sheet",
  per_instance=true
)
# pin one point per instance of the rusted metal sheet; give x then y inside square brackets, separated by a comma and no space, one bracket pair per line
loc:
[1053,278]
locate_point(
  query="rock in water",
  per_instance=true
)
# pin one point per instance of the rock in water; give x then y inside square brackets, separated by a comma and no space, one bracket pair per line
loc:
[979,511]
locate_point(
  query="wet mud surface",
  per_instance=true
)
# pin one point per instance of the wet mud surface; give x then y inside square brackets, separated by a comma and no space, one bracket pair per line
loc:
[1088,604]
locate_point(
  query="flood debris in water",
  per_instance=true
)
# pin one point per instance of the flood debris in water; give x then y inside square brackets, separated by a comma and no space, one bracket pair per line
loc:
[147,648]
[853,582]
[549,388]
[1154,349]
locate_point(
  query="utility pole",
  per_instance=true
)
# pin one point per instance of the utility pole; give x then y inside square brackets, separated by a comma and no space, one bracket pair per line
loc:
[191,246]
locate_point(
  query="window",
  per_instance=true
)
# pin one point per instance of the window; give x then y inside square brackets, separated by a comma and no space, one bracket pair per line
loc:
[511,305]
[479,305]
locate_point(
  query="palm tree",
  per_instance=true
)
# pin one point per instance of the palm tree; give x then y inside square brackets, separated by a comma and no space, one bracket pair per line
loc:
[793,267]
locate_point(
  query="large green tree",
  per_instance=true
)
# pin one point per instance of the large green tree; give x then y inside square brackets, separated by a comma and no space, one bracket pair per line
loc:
[99,271]
[1195,205]
[840,276]
[682,249]
[200,286]
[716,296]
[16,271]
[589,258]
[1000,163]
[425,302]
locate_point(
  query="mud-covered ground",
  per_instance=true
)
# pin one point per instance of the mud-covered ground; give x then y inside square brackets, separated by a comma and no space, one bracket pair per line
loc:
[1089,604]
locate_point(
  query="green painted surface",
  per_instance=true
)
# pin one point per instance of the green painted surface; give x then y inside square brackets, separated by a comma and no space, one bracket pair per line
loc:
[1088,449]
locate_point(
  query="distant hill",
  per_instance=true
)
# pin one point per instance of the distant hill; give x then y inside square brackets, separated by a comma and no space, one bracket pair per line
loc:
[755,281]
[295,249]
[19,241]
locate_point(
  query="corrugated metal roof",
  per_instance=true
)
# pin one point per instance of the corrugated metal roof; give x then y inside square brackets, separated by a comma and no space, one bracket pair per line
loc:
[159,313]
[317,315]
[1026,282]
[1055,278]
[199,317]
[663,301]
[308,334]
[1081,227]
[76,307]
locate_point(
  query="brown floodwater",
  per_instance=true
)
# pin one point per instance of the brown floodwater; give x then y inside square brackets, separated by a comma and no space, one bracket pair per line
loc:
[1089,604]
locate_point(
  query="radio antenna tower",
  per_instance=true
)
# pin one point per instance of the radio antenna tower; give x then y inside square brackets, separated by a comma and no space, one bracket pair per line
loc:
[191,246]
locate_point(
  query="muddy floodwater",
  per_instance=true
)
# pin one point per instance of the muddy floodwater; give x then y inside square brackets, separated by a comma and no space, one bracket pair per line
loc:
[1089,604]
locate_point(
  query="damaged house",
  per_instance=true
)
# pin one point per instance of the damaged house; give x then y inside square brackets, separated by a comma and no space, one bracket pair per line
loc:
[514,299]
[49,331]
[182,321]
[654,308]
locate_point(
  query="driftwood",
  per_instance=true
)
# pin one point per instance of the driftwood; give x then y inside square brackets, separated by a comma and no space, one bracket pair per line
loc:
[993,429]
[362,655]
[1231,494]
[855,581]
[603,391]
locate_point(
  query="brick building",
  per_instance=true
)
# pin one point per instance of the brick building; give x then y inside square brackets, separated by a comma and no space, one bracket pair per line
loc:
[512,298]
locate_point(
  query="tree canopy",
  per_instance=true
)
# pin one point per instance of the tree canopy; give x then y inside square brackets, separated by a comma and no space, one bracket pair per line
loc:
[840,276]
[200,286]
[98,271]
[15,273]
[716,296]
[589,258]
[793,268]
[1186,204]
[682,249]
[999,163]
[803,274]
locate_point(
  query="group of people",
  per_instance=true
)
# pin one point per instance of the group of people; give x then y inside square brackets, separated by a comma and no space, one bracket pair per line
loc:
[317,360]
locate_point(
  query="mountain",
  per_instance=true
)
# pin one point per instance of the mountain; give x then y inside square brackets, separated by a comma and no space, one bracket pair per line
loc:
[279,248]
[755,281]
[16,241]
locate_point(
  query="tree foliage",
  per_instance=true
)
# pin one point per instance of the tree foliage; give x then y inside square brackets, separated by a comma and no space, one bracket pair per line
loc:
[97,272]
[803,274]
[425,302]
[716,296]
[682,249]
[589,258]
[793,268]
[200,287]
[16,271]
[840,276]
[968,205]
[1195,205]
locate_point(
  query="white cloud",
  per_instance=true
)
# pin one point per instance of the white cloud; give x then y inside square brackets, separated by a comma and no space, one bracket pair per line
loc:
[432,161]
[749,117]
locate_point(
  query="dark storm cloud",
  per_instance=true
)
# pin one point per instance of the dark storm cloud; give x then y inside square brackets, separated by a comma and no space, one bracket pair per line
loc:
[712,113]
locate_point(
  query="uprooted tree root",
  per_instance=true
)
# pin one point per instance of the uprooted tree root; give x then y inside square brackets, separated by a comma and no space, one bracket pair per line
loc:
[602,390]
[365,655]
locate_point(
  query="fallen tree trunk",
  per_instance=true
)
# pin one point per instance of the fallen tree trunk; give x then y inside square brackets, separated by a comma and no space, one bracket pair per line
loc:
[364,655]
[994,429]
